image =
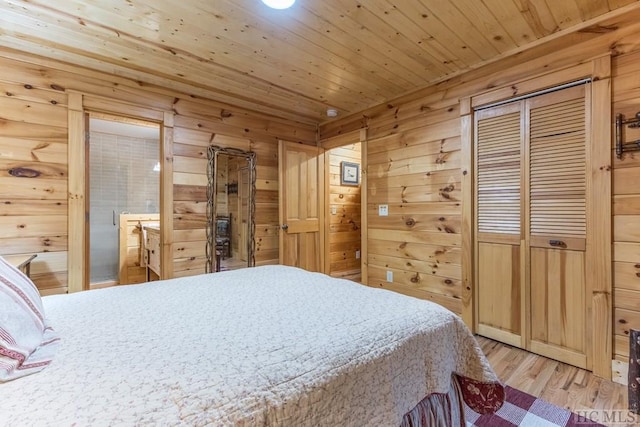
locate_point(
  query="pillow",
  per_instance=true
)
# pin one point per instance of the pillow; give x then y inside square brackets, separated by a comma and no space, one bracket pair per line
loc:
[27,343]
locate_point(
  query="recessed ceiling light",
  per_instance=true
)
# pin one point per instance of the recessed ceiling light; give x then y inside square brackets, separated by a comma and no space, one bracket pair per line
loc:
[279,4]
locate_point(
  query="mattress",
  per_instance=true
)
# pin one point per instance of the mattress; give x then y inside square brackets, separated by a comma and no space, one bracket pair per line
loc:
[260,346]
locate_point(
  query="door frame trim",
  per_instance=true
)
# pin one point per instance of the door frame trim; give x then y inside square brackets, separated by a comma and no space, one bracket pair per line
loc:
[336,142]
[80,104]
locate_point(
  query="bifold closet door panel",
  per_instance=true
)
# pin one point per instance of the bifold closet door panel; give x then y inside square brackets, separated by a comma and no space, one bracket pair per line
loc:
[556,205]
[499,211]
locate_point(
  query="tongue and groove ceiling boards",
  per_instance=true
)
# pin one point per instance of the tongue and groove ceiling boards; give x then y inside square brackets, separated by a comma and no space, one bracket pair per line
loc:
[294,63]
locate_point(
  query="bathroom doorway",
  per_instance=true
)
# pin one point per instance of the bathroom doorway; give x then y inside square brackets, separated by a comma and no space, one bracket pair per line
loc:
[124,197]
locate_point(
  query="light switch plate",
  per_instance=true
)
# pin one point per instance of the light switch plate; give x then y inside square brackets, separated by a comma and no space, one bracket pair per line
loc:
[334,210]
[389,276]
[383,210]
[357,254]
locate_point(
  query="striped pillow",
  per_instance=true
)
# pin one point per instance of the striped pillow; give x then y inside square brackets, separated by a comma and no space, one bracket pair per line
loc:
[27,343]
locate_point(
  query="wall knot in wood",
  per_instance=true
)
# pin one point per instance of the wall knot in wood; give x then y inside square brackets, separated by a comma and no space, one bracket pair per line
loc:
[24,173]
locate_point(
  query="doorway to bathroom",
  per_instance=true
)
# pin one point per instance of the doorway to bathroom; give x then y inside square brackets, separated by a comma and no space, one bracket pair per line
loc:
[124,198]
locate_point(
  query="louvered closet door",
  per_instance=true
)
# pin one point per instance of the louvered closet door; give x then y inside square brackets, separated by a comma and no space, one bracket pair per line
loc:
[499,139]
[556,205]
[531,216]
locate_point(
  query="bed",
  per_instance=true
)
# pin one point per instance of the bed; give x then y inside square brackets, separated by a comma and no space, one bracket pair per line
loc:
[262,346]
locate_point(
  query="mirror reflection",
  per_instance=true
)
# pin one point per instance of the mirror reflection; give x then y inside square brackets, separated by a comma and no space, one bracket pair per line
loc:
[230,209]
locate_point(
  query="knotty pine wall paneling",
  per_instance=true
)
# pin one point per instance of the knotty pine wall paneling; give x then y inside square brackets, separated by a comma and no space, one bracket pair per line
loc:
[34,161]
[34,177]
[626,208]
[416,172]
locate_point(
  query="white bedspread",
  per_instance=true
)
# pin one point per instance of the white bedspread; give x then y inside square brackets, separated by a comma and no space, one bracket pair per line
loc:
[261,346]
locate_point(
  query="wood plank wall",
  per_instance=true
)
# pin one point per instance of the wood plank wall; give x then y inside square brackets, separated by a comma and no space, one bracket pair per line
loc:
[416,173]
[626,208]
[34,174]
[34,160]
[345,224]
[414,165]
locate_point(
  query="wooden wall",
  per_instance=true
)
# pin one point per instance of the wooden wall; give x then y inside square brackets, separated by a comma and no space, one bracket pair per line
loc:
[345,224]
[626,207]
[34,165]
[34,172]
[416,172]
[413,151]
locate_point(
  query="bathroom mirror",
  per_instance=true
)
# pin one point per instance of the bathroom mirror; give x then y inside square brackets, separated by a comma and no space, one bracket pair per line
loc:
[230,209]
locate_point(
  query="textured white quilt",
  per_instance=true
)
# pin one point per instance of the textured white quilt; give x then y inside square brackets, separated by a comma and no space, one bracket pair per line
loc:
[261,346]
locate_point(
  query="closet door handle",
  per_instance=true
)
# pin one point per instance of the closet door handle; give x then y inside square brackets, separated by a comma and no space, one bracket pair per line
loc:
[557,243]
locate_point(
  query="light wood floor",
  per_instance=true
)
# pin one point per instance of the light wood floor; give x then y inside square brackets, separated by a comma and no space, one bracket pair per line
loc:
[563,385]
[232,264]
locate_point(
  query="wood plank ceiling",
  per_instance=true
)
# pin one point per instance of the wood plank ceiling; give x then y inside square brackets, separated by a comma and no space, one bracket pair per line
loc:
[295,63]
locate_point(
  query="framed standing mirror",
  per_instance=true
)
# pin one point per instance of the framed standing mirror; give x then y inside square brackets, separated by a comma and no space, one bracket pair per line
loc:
[230,209]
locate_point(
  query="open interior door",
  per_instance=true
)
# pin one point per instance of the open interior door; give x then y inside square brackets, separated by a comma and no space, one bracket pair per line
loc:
[301,184]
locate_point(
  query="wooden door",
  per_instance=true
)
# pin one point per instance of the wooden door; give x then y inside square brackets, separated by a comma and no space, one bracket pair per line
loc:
[301,184]
[556,206]
[499,140]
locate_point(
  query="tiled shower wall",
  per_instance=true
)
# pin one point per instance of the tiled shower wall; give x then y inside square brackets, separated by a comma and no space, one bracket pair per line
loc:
[124,178]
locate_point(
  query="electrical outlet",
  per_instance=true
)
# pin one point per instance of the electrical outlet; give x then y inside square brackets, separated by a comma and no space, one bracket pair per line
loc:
[383,210]
[358,254]
[389,276]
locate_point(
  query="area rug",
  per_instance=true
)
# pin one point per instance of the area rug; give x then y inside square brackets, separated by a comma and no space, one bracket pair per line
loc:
[522,409]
